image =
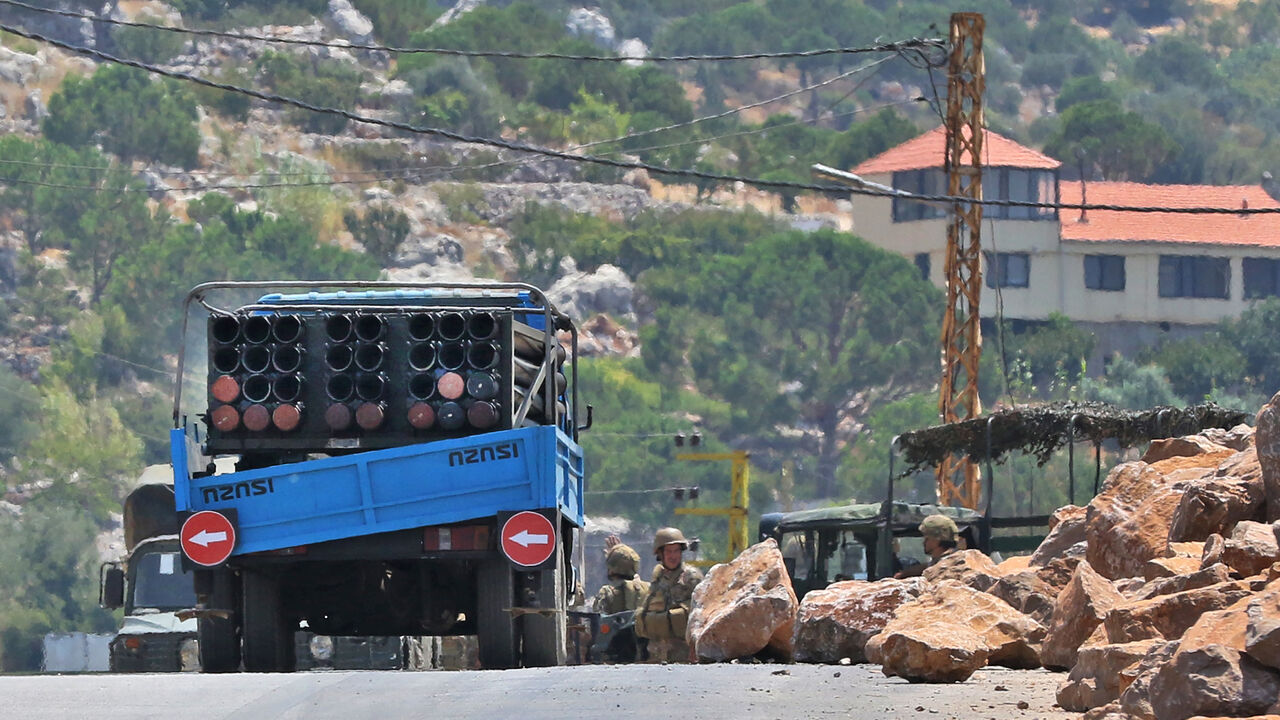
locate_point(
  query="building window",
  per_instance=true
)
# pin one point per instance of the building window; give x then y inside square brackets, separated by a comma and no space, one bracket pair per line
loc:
[1195,276]
[1008,269]
[1261,277]
[922,264]
[922,182]
[1104,272]
[1003,183]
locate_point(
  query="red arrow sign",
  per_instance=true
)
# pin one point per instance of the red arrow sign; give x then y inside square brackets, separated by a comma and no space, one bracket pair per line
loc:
[528,539]
[208,538]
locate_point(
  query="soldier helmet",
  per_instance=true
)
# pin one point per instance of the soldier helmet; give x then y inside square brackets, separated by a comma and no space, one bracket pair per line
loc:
[668,536]
[939,527]
[622,561]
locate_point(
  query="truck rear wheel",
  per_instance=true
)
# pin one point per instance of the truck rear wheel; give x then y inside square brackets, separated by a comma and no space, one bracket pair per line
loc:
[219,644]
[543,641]
[495,628]
[268,633]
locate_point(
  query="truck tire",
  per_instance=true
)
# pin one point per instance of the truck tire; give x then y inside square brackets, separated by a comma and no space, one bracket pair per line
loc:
[495,628]
[217,637]
[268,633]
[542,635]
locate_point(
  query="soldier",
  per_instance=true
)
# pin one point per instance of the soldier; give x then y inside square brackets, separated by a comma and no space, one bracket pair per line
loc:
[624,591]
[664,614]
[939,533]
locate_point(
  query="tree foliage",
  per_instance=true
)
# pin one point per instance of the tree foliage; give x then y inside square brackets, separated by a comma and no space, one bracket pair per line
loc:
[128,113]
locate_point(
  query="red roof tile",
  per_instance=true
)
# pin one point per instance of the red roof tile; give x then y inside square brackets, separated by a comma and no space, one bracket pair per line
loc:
[1110,226]
[929,151]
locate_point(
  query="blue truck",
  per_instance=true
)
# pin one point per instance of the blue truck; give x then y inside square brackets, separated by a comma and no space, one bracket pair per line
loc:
[406,463]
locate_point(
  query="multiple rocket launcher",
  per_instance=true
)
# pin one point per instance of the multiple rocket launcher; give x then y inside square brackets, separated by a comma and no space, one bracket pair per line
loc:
[335,379]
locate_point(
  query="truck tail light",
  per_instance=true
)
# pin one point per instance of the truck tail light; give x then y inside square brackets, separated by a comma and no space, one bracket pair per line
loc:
[456,537]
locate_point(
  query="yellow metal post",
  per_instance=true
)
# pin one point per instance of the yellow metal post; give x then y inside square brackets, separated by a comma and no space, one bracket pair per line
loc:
[737,510]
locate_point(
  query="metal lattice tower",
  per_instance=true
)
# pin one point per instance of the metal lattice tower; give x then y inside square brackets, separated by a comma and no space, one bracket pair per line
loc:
[961,329]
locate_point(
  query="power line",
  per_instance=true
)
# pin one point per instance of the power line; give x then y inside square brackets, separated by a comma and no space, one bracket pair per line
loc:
[912,44]
[610,162]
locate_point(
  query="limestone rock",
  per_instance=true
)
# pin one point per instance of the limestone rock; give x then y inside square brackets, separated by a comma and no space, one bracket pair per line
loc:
[1136,680]
[1015,564]
[1096,678]
[1239,437]
[1167,617]
[1262,627]
[968,567]
[581,294]
[1188,446]
[1067,528]
[351,22]
[1011,638]
[838,621]
[1214,505]
[1168,567]
[1267,441]
[593,25]
[744,607]
[1210,675]
[1128,522]
[1080,609]
[1028,593]
[1212,575]
[1251,549]
[940,652]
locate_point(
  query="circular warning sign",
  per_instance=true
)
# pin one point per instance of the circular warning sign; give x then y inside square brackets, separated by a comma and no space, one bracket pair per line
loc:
[208,538]
[528,539]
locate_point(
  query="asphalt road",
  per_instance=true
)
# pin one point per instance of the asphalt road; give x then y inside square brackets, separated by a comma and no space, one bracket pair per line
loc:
[660,692]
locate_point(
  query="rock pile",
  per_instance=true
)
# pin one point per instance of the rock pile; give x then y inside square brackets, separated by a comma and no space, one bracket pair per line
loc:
[1161,598]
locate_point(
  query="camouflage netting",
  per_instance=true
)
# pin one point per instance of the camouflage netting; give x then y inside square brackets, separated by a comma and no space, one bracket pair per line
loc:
[1040,430]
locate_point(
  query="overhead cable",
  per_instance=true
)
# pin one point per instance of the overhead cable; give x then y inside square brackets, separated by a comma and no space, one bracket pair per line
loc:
[912,44]
[621,164]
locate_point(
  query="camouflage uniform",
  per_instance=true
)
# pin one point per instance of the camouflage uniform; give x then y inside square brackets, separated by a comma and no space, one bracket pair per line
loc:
[671,588]
[619,595]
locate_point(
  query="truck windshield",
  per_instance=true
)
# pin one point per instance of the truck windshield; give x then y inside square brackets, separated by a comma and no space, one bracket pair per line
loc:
[159,582]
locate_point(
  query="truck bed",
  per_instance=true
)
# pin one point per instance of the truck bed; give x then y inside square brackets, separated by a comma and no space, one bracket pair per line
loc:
[377,491]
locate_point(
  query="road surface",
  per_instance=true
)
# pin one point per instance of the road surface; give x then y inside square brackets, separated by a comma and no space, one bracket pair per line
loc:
[641,692]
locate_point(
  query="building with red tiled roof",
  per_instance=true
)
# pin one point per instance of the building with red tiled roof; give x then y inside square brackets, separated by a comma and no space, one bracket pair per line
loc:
[1134,278]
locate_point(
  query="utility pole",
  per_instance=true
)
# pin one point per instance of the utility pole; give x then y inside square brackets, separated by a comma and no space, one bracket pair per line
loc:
[736,512]
[961,325]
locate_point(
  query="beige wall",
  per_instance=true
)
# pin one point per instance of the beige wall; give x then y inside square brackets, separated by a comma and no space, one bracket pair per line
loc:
[1056,282]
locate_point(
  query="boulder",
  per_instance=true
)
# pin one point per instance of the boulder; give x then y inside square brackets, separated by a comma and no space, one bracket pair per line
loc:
[1096,678]
[350,22]
[1017,563]
[1057,572]
[1028,593]
[1167,617]
[1214,505]
[1187,446]
[1239,437]
[1136,680]
[1212,575]
[1081,607]
[939,652]
[836,622]
[1168,567]
[744,607]
[1262,627]
[1209,674]
[1011,638]
[1267,441]
[967,567]
[1066,529]
[1128,522]
[582,294]
[1251,548]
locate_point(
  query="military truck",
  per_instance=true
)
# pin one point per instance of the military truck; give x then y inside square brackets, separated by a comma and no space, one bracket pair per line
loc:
[407,464]
[151,584]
